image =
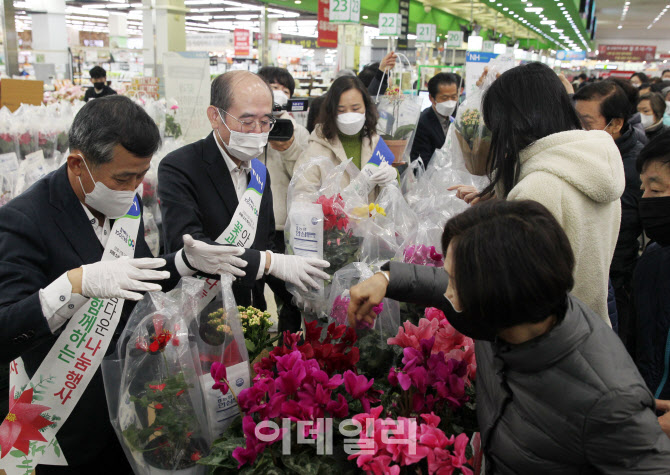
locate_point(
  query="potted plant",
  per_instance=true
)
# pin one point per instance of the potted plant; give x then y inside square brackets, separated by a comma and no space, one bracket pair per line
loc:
[167,439]
[398,116]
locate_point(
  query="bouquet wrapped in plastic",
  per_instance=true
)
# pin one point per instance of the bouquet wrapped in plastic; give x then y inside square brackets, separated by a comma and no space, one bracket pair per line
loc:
[473,136]
[322,219]
[9,167]
[371,339]
[151,382]
[223,356]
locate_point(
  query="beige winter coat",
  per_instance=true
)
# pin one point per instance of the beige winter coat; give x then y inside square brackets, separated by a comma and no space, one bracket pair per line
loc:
[280,165]
[320,147]
[579,177]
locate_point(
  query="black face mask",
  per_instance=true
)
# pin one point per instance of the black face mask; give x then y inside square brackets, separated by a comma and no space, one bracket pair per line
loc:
[655,216]
[99,86]
[466,325]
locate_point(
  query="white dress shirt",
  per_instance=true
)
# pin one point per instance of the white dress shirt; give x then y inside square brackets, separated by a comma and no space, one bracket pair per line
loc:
[240,176]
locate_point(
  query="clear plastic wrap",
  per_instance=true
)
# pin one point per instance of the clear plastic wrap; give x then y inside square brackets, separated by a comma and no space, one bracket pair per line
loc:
[398,117]
[151,383]
[411,176]
[220,341]
[423,247]
[151,233]
[30,170]
[371,340]
[323,218]
[9,166]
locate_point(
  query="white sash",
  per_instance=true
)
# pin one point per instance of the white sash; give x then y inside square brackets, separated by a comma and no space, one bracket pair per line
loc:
[66,371]
[241,230]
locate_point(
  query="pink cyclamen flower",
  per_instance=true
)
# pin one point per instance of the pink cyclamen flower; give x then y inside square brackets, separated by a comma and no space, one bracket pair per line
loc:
[218,372]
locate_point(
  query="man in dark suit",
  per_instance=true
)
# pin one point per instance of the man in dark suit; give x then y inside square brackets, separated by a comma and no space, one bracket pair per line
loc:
[444,90]
[200,185]
[52,238]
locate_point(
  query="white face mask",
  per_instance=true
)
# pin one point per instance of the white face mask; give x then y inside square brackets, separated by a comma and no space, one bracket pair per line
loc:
[280,97]
[636,85]
[243,146]
[350,123]
[667,107]
[647,120]
[452,304]
[446,108]
[112,203]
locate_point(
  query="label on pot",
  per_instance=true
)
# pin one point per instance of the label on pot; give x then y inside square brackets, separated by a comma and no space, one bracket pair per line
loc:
[222,408]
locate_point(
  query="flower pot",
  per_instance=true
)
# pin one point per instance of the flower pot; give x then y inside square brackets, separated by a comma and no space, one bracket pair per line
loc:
[476,156]
[184,467]
[397,148]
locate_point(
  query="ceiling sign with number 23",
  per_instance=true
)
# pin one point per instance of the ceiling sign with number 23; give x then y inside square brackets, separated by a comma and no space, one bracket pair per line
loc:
[345,11]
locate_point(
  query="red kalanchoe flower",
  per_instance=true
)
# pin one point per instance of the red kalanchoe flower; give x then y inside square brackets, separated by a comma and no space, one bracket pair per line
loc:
[160,341]
[180,392]
[158,406]
[157,387]
[196,456]
[22,424]
[141,344]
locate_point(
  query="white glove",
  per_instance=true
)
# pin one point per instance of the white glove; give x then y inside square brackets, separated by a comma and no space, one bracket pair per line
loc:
[214,259]
[384,175]
[298,270]
[119,277]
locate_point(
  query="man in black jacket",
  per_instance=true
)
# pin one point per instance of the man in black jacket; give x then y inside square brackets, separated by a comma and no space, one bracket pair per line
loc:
[444,90]
[605,106]
[100,87]
[52,238]
[204,185]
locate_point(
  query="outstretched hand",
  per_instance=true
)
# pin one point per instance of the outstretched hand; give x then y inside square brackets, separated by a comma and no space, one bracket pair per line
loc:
[364,297]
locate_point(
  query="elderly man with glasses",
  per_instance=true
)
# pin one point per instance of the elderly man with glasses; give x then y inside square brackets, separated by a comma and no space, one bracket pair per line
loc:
[218,191]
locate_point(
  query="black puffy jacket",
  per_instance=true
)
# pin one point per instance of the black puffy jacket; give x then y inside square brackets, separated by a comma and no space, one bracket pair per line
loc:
[627,246]
[651,290]
[568,402]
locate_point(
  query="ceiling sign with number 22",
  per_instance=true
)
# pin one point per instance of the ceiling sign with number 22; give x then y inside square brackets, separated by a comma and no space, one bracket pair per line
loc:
[390,24]
[345,11]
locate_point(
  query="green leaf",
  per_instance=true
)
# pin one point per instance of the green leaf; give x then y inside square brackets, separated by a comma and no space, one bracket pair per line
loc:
[56,449]
[17,453]
[250,345]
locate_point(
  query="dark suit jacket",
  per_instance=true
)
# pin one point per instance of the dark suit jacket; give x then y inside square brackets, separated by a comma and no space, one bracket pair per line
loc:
[197,197]
[429,136]
[43,233]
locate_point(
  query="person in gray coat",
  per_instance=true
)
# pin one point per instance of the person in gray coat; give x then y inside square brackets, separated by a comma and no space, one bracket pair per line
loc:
[557,392]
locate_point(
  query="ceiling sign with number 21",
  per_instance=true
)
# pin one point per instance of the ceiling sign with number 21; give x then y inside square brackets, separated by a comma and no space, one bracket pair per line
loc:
[345,11]
[425,33]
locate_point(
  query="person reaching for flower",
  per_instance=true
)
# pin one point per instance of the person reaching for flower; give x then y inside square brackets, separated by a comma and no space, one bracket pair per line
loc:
[556,389]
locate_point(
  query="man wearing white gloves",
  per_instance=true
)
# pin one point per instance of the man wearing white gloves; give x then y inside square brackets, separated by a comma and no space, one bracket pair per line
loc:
[75,237]
[217,190]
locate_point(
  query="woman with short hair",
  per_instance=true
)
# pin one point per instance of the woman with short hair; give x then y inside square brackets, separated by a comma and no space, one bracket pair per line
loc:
[557,391]
[652,109]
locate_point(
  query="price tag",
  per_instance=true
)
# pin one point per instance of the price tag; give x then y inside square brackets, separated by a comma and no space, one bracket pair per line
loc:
[426,33]
[345,11]
[454,39]
[487,46]
[390,24]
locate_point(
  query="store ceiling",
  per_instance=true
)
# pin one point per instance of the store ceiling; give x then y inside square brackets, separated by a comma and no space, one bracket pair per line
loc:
[635,24]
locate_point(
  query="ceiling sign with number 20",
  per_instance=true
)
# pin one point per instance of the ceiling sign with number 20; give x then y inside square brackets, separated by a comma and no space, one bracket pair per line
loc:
[390,24]
[345,11]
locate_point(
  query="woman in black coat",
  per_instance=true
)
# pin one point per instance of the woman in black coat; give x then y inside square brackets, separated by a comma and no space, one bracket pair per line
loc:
[556,390]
